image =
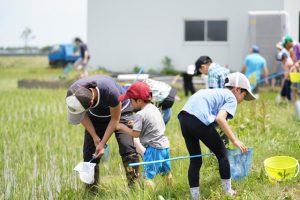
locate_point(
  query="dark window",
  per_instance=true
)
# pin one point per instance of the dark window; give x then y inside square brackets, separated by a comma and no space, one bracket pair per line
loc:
[216,30]
[210,30]
[194,31]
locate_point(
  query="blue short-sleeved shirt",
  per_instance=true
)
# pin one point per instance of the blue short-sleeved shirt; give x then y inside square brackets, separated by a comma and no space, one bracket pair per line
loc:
[206,104]
[254,63]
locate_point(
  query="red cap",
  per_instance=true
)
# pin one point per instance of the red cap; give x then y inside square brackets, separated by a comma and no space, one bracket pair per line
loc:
[138,90]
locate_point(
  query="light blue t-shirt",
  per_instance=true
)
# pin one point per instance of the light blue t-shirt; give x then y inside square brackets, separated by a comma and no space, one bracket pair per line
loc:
[254,63]
[206,104]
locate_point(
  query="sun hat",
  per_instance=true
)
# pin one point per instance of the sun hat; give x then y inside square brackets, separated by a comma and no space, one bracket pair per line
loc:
[190,69]
[255,49]
[138,90]
[286,40]
[238,79]
[78,101]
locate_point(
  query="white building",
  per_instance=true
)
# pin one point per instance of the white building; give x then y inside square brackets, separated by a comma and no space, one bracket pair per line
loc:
[124,33]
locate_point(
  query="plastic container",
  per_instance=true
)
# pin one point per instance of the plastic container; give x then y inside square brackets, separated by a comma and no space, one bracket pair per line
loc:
[281,168]
[86,172]
[295,77]
[240,163]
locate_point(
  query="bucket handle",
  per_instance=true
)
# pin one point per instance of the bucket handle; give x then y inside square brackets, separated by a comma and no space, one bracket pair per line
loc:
[298,169]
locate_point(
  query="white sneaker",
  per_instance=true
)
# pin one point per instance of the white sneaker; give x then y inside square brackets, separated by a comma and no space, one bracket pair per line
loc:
[231,192]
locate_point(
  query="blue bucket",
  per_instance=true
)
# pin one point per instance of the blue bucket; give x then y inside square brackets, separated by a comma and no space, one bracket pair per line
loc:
[240,163]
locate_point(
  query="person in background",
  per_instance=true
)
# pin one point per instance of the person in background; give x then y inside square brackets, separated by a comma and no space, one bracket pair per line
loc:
[198,119]
[93,102]
[149,126]
[216,74]
[287,63]
[277,80]
[187,77]
[163,96]
[253,65]
[81,63]
[287,44]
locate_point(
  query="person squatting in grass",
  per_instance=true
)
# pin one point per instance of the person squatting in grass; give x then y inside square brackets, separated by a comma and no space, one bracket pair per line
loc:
[93,102]
[198,119]
[149,126]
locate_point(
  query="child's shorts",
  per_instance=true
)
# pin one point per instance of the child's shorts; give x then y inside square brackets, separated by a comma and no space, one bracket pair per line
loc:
[162,168]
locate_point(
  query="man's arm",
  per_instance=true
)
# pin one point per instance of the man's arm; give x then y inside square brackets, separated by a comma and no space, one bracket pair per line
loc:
[128,130]
[86,122]
[115,113]
[86,56]
[243,69]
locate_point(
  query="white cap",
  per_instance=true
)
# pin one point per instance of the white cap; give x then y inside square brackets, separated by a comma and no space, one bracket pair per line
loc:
[76,111]
[238,79]
[190,69]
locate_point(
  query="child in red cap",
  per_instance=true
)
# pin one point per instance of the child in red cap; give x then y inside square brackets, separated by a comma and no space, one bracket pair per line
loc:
[149,126]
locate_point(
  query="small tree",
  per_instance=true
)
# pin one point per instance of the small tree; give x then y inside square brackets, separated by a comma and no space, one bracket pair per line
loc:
[168,67]
[26,36]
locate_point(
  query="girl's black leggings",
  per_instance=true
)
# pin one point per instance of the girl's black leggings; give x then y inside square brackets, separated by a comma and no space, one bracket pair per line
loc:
[194,130]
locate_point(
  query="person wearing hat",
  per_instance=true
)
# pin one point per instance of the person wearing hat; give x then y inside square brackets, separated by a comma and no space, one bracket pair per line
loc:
[149,126]
[198,118]
[187,77]
[287,58]
[215,73]
[93,102]
[253,65]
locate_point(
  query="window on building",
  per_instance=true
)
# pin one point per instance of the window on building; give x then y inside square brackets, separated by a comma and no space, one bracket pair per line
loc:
[206,30]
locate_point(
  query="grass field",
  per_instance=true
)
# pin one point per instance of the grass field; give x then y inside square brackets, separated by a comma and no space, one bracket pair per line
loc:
[39,149]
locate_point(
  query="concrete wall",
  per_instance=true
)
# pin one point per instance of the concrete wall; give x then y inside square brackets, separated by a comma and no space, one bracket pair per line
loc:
[293,8]
[122,34]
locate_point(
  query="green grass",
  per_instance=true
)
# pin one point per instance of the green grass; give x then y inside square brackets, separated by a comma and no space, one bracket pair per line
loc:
[39,150]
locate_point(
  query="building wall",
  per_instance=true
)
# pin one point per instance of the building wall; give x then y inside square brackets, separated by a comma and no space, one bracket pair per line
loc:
[122,34]
[293,8]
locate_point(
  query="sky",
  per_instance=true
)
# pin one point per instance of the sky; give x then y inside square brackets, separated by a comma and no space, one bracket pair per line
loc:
[51,21]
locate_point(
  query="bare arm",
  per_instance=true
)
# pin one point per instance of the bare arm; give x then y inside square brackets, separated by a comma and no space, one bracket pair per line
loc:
[86,122]
[175,79]
[243,69]
[86,56]
[115,113]
[266,74]
[222,122]
[128,130]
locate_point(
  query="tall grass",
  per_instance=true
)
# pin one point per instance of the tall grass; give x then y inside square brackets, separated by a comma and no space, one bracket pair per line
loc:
[39,149]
